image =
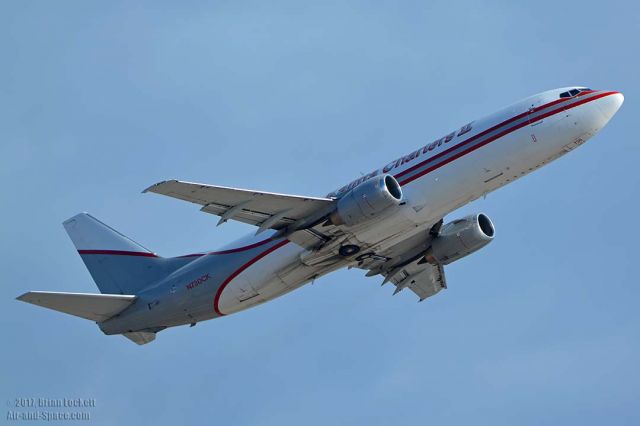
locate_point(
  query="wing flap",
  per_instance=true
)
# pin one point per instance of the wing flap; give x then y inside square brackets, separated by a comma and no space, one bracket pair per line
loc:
[428,282]
[405,266]
[95,307]
[425,281]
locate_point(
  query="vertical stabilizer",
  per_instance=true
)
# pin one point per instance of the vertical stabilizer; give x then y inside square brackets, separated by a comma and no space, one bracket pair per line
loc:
[89,234]
[117,264]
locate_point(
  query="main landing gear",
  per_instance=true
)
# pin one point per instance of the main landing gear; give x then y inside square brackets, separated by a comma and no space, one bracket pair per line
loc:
[348,250]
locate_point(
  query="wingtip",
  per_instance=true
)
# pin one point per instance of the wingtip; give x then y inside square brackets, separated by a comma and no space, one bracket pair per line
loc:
[150,188]
[22,297]
[155,185]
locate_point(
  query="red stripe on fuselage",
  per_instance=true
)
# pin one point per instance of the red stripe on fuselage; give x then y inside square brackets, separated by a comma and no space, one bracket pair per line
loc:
[146,254]
[238,271]
[119,253]
[491,139]
[233,250]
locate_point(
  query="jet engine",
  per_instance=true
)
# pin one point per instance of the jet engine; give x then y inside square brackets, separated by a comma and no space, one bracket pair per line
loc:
[367,200]
[460,238]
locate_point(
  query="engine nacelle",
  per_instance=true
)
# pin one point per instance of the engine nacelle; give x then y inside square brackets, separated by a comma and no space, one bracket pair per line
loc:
[460,238]
[367,200]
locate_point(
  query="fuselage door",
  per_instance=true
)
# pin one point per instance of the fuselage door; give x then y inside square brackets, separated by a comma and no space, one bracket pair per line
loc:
[534,113]
[535,119]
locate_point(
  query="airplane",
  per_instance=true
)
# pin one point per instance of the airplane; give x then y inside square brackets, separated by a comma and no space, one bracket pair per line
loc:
[389,222]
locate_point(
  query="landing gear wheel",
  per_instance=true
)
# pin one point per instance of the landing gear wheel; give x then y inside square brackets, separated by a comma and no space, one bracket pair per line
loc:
[348,250]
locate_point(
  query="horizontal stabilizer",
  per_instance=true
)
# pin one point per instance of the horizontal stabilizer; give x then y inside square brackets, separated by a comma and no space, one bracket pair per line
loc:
[95,307]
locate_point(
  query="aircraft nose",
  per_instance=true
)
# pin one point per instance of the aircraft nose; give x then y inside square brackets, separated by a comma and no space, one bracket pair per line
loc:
[610,104]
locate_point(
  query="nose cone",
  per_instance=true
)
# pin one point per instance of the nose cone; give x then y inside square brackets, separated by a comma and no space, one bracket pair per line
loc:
[610,104]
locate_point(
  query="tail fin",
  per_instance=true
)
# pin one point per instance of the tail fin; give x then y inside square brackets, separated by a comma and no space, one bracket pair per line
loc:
[117,264]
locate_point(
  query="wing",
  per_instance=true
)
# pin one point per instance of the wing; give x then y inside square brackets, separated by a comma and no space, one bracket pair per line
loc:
[266,210]
[300,218]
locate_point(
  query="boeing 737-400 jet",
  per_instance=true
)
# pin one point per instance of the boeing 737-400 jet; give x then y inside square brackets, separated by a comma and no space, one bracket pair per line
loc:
[388,223]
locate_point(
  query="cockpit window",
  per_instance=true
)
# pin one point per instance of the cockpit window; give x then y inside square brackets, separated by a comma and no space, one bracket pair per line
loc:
[573,92]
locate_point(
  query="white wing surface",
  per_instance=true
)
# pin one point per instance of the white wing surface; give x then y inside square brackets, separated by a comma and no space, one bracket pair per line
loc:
[266,210]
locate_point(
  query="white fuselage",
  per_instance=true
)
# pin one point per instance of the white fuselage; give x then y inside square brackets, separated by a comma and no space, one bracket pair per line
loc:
[388,222]
[436,179]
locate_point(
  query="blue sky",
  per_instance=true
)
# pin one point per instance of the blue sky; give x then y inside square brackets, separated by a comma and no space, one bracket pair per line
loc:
[101,99]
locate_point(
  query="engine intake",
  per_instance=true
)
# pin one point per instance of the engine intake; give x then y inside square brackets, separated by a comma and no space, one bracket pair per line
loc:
[460,238]
[367,200]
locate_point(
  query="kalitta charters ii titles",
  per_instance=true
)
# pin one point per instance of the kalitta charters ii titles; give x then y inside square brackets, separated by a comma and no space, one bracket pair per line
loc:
[403,160]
